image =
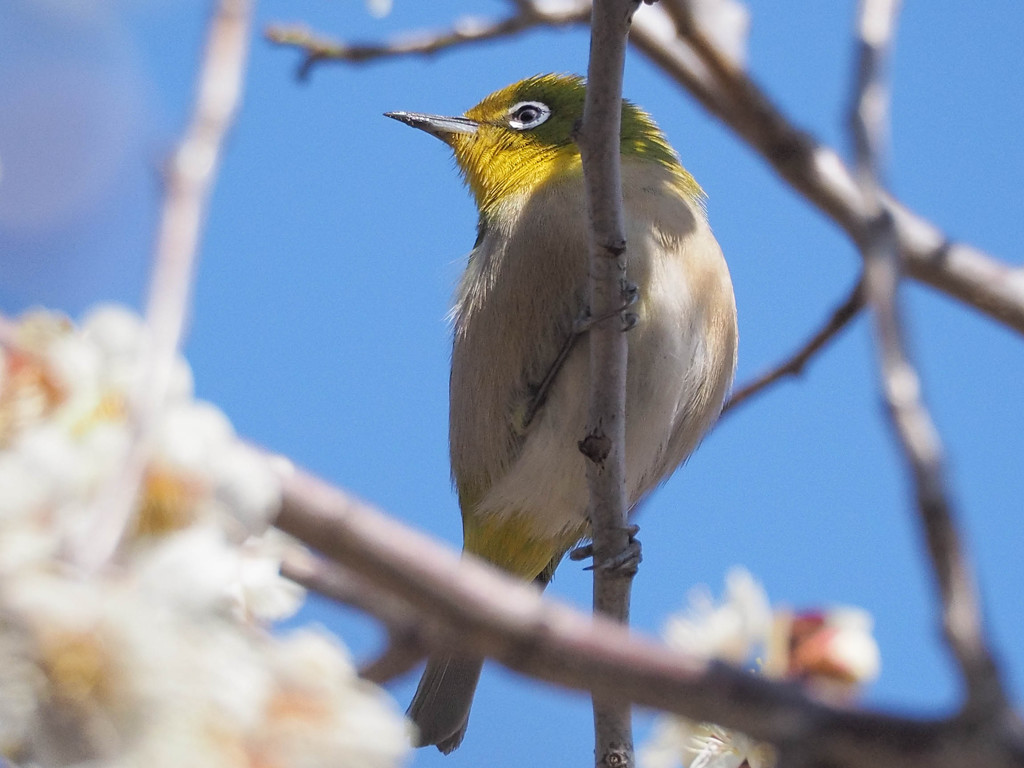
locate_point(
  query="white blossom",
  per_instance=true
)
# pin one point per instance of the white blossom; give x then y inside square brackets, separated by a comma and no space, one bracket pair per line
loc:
[677,741]
[379,8]
[163,656]
[323,715]
[729,631]
[832,652]
[853,647]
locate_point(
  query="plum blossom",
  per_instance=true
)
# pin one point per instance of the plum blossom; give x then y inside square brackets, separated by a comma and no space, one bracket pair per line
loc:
[832,652]
[165,655]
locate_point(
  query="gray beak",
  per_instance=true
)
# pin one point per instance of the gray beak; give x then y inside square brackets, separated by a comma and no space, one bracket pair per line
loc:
[436,125]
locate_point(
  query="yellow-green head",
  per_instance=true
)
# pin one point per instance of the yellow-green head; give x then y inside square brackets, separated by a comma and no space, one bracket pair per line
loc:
[521,137]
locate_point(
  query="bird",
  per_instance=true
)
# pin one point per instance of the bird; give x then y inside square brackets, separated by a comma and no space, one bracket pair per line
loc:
[519,375]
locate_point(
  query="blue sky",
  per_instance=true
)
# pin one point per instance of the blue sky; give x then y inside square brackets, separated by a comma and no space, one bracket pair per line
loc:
[336,237]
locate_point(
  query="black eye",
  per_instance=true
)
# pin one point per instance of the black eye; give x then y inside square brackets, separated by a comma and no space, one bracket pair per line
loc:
[528,114]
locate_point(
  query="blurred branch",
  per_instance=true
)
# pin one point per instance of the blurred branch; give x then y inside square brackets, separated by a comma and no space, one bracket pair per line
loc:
[726,69]
[818,173]
[910,419]
[403,653]
[604,445]
[795,363]
[406,645]
[317,49]
[491,613]
[188,180]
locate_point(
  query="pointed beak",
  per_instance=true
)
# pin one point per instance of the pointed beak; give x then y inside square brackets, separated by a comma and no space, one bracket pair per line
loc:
[443,128]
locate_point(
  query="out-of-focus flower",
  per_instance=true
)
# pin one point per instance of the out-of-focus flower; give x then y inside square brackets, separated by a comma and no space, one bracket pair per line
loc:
[319,707]
[263,593]
[729,631]
[21,684]
[736,630]
[727,24]
[164,656]
[379,8]
[677,741]
[832,652]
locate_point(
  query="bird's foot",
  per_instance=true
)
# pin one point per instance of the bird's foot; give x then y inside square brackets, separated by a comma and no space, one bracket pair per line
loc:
[626,563]
[631,295]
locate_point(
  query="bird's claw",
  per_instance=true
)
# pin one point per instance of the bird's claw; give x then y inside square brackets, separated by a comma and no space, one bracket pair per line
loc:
[631,295]
[626,563]
[582,552]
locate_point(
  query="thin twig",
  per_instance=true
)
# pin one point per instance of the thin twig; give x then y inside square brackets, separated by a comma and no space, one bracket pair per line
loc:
[818,173]
[722,67]
[909,417]
[604,445]
[189,178]
[317,49]
[403,653]
[493,614]
[794,365]
[406,645]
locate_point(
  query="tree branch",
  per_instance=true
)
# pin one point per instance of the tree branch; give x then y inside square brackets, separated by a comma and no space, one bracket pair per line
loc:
[189,178]
[493,614]
[406,645]
[909,417]
[604,445]
[795,363]
[817,172]
[317,49]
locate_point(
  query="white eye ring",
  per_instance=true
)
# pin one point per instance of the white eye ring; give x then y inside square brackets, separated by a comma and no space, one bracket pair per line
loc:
[528,114]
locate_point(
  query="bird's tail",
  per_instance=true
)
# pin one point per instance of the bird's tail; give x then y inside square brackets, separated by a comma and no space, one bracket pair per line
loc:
[440,708]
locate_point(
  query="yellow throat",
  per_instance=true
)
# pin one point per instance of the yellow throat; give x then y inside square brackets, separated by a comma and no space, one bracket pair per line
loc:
[521,137]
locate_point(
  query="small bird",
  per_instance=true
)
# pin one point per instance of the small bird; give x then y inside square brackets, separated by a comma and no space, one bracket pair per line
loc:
[519,378]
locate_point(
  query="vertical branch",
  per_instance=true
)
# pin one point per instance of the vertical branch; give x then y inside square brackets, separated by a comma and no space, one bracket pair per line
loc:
[188,181]
[910,419]
[604,443]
